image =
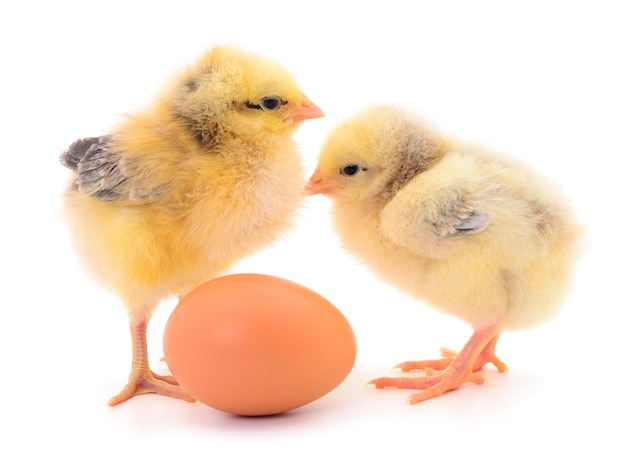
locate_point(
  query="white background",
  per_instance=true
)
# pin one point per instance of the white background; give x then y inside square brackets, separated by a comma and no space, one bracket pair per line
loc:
[540,80]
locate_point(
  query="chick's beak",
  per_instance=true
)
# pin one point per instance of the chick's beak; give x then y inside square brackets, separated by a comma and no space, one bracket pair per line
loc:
[307,110]
[318,184]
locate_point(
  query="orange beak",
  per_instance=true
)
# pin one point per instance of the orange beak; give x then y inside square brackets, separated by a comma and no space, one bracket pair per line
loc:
[317,184]
[307,110]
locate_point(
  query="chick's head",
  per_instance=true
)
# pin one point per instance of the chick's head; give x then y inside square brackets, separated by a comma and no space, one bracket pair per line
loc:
[370,156]
[229,92]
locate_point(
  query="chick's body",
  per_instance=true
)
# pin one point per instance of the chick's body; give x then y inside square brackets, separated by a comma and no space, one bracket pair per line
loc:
[177,193]
[472,233]
[210,211]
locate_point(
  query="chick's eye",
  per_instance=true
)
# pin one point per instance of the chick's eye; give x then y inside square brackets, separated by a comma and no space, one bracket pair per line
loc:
[267,104]
[271,103]
[350,170]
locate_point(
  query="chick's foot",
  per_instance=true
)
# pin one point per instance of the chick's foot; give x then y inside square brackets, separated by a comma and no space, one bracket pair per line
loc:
[142,380]
[449,372]
[142,383]
[487,355]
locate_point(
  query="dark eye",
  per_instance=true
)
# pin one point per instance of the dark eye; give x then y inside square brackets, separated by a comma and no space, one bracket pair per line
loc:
[271,103]
[267,104]
[350,170]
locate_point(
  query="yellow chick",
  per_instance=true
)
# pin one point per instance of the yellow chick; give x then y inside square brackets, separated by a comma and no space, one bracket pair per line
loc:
[178,192]
[475,234]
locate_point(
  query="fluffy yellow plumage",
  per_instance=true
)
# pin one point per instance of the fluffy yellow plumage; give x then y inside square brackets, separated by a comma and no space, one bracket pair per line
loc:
[177,193]
[473,233]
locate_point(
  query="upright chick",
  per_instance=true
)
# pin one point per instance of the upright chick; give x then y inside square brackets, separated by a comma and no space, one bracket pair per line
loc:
[177,193]
[474,234]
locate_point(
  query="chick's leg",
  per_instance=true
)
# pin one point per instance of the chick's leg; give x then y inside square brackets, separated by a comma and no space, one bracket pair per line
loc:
[454,371]
[142,380]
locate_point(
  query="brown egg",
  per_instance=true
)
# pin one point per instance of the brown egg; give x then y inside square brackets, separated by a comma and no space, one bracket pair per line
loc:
[252,344]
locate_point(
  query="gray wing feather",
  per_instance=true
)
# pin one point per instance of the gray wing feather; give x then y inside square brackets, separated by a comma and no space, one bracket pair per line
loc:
[103,174]
[475,223]
[98,171]
[456,215]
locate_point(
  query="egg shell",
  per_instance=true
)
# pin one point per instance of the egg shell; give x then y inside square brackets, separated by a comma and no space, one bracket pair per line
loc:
[253,344]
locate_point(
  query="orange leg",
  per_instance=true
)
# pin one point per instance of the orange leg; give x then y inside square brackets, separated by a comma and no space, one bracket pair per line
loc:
[142,380]
[452,370]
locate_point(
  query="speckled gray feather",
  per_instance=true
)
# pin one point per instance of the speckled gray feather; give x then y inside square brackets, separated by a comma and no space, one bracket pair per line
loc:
[456,215]
[98,171]
[104,174]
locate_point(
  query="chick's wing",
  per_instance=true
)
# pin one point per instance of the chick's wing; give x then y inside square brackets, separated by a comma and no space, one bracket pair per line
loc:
[102,173]
[452,212]
[425,221]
